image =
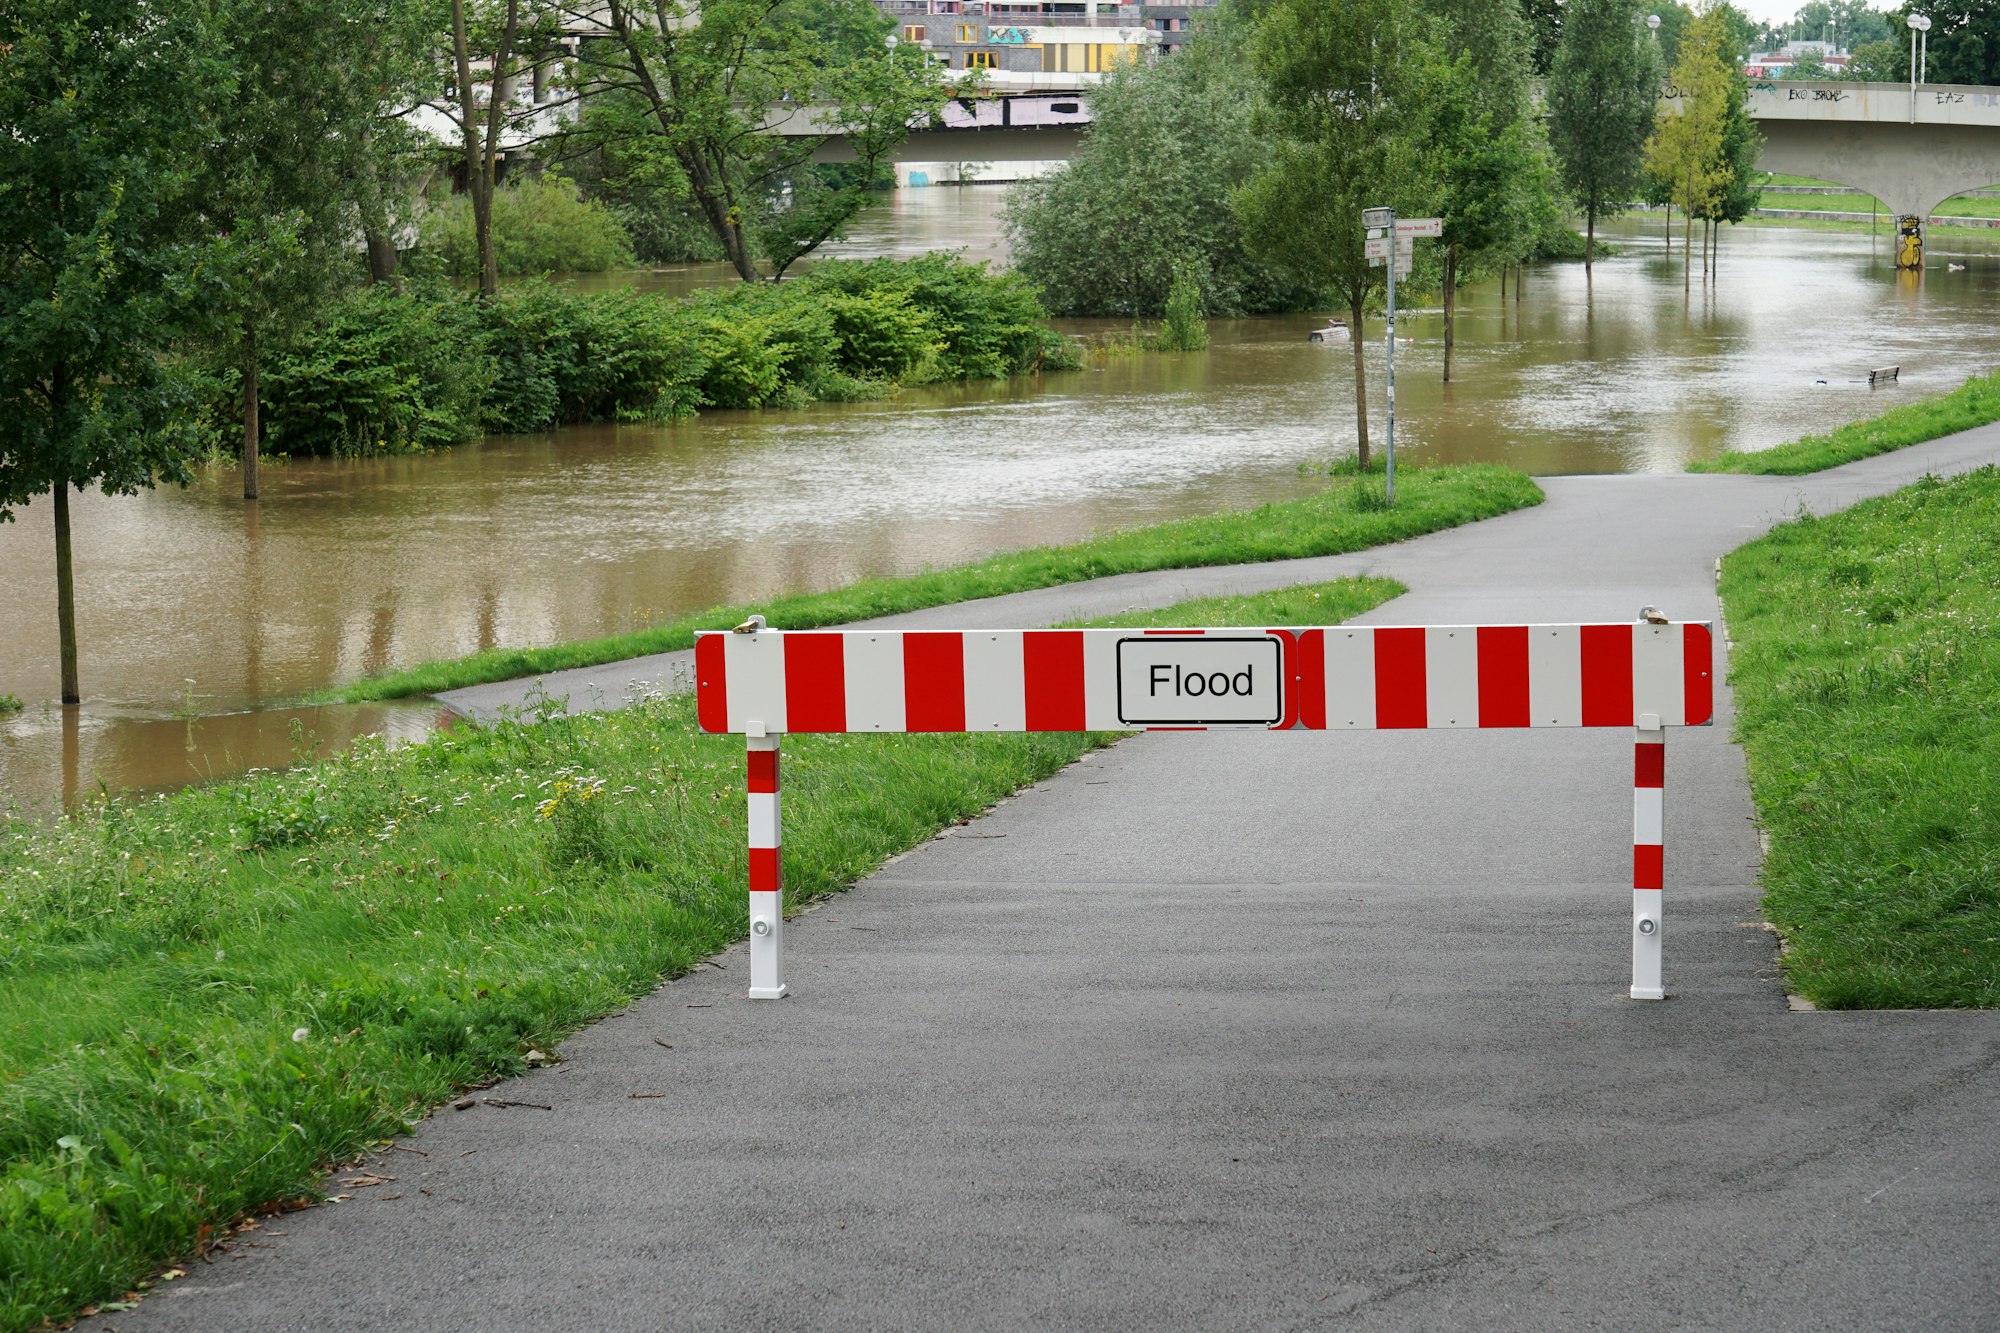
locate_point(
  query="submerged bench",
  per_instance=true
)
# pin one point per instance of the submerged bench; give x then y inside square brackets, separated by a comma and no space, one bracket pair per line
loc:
[1649,675]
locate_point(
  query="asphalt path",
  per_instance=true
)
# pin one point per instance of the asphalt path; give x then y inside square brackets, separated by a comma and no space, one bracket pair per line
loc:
[1234,1031]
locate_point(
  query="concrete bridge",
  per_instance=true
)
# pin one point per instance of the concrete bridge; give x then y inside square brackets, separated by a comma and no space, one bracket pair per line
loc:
[1911,151]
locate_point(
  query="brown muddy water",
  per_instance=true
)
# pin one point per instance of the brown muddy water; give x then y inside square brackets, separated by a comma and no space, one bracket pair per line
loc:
[199,616]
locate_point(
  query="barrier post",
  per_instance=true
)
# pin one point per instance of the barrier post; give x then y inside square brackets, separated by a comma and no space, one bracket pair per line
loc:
[767,896]
[1649,836]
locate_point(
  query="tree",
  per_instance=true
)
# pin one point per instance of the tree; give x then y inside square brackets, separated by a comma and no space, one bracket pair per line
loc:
[1486,154]
[1883,61]
[1344,87]
[480,120]
[1603,90]
[1808,66]
[294,172]
[682,91]
[1149,189]
[1963,45]
[103,118]
[1543,20]
[1689,149]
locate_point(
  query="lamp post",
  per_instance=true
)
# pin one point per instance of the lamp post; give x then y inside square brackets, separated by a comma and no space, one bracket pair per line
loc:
[1920,25]
[889,44]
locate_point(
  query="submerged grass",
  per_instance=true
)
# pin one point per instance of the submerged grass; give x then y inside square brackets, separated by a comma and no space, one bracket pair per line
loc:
[1973,403]
[1866,663]
[207,998]
[1348,516]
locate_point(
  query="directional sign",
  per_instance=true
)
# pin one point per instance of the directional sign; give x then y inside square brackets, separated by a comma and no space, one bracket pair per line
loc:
[1378,248]
[1207,681]
[1419,227]
[1377,217]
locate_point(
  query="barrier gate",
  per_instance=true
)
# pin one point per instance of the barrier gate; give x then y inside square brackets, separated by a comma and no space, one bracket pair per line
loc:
[1649,676]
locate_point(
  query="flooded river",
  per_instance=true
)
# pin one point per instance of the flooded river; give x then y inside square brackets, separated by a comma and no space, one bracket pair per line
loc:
[197,615]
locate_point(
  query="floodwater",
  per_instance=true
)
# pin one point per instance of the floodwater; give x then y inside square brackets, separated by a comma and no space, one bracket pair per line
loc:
[199,616]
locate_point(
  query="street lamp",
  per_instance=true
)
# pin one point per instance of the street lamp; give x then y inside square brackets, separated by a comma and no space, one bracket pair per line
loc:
[891,42]
[1653,25]
[1919,24]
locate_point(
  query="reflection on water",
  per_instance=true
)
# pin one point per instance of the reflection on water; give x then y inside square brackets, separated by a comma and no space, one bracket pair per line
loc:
[192,602]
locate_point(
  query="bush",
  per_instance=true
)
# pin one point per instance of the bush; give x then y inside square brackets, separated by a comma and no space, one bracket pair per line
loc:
[1185,330]
[539,226]
[386,371]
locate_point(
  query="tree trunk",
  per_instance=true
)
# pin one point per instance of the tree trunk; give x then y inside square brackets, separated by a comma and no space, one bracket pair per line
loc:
[250,425]
[1450,303]
[65,594]
[1687,245]
[479,172]
[383,261]
[1667,229]
[1589,237]
[1519,270]
[1360,380]
[1705,225]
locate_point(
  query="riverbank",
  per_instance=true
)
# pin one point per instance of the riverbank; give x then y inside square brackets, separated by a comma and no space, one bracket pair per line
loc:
[1865,663]
[1349,515]
[1974,403]
[207,998]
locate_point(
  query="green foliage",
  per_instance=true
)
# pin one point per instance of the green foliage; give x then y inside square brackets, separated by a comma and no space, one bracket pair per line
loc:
[1882,61]
[1427,499]
[1184,329]
[1973,403]
[388,371]
[11,703]
[383,372]
[1866,658]
[1168,143]
[539,226]
[690,84]
[1603,88]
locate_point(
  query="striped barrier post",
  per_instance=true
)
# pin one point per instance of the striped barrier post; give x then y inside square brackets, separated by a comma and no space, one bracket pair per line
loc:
[1648,676]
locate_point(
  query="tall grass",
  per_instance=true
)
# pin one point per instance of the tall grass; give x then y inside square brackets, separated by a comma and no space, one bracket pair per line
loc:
[1973,403]
[1347,516]
[1866,666]
[207,998]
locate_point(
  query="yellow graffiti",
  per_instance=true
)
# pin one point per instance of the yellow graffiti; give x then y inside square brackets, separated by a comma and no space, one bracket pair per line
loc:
[1910,242]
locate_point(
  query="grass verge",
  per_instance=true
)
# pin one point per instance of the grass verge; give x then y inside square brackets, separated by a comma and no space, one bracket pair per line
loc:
[207,998]
[1866,662]
[1345,517]
[1973,403]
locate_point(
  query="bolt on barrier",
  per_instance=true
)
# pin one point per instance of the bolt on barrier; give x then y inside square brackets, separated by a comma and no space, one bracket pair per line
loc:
[1649,675]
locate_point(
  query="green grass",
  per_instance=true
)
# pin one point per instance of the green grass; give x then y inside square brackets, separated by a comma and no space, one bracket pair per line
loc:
[1347,516]
[1976,207]
[1973,403]
[11,703]
[208,998]
[1940,232]
[1866,664]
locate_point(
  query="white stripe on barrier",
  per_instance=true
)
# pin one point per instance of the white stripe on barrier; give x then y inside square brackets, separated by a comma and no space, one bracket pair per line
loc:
[1555,676]
[1451,676]
[995,682]
[1649,816]
[764,819]
[1350,679]
[756,665]
[874,664]
[1657,673]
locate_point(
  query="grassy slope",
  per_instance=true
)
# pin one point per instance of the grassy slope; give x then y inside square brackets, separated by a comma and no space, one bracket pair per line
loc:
[421,918]
[1333,521]
[1974,403]
[1866,665]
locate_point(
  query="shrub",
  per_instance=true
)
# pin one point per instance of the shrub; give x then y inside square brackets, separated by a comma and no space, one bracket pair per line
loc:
[1185,329]
[539,226]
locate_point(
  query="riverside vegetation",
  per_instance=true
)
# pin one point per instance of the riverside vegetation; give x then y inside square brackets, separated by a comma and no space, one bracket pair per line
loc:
[207,998]
[387,371]
[1347,517]
[1865,663]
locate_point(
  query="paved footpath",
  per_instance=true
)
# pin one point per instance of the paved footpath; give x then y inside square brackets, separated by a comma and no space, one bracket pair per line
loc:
[1237,1032]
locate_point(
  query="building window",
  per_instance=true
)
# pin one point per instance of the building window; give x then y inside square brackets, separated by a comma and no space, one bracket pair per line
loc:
[913,32]
[979,60]
[968,32]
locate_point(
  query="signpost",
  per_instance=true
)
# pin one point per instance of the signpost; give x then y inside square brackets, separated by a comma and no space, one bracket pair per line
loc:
[1379,224]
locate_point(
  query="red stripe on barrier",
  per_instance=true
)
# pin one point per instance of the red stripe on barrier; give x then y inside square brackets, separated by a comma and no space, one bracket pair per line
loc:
[1052,663]
[764,870]
[1309,676]
[1399,678]
[815,682]
[1288,681]
[763,771]
[1503,676]
[711,684]
[1649,866]
[934,681]
[1607,675]
[1698,661]
[1649,765]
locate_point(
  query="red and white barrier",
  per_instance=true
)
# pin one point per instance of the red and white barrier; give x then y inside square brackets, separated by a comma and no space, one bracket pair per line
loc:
[1649,676]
